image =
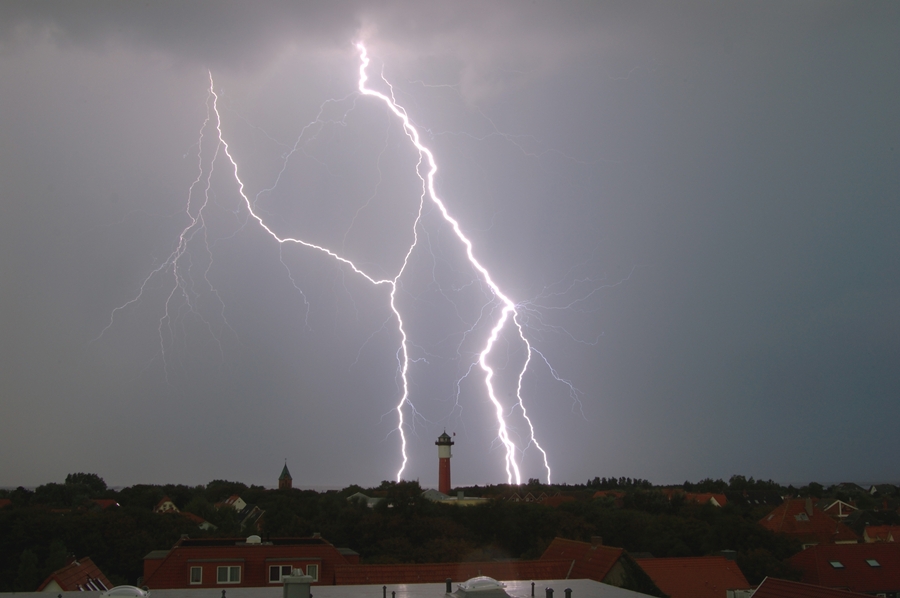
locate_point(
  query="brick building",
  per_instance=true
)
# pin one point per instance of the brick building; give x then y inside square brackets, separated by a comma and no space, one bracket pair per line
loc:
[239,562]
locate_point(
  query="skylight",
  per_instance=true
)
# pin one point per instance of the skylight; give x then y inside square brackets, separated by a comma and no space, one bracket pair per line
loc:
[836,564]
[873,563]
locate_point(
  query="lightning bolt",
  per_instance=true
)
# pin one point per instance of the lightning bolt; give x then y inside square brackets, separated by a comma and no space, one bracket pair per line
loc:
[508,311]
[504,314]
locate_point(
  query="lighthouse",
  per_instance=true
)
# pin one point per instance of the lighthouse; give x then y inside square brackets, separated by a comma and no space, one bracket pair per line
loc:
[444,442]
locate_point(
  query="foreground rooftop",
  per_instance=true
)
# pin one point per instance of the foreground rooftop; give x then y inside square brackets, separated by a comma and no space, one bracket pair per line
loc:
[581,588]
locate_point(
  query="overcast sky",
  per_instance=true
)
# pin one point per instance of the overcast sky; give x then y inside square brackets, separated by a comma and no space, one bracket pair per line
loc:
[695,207]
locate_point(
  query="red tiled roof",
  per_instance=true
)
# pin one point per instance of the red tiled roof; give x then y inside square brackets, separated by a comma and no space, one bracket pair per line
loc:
[799,518]
[5,502]
[104,503]
[866,568]
[195,518]
[695,577]
[881,533]
[80,575]
[707,497]
[438,572]
[780,588]
[555,501]
[589,561]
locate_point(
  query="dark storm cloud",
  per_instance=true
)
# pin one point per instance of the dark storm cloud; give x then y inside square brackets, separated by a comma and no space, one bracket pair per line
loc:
[727,174]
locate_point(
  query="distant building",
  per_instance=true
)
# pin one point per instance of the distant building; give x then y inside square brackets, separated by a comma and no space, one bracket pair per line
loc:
[285,481]
[165,505]
[239,562]
[696,577]
[371,501]
[77,576]
[200,521]
[710,498]
[444,442]
[234,501]
[528,497]
[101,504]
[836,509]
[881,533]
[883,489]
[460,500]
[704,498]
[801,519]
[249,515]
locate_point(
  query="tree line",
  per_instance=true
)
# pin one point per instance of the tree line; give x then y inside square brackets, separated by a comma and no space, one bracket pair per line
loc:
[42,527]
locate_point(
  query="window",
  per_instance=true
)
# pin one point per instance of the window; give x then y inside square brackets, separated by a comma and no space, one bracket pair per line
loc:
[313,571]
[836,564]
[196,575]
[873,563]
[278,572]
[228,574]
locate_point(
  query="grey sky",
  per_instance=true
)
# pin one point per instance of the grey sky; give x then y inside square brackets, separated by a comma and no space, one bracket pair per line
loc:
[716,183]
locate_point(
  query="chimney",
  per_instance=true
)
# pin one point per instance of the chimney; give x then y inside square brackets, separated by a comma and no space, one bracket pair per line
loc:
[596,541]
[809,507]
[296,586]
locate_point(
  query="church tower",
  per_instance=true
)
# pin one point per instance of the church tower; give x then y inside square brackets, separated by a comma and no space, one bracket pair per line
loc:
[444,442]
[285,481]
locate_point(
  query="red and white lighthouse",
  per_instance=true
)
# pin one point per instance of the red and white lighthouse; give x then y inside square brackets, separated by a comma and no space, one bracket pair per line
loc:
[444,442]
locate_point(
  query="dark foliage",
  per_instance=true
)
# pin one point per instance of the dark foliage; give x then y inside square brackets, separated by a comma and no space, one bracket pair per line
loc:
[40,528]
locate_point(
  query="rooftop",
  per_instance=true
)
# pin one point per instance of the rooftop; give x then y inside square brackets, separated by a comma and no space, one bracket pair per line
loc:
[581,588]
[695,577]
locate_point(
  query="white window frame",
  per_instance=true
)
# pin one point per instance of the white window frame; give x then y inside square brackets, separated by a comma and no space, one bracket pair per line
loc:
[199,577]
[313,571]
[229,570]
[281,573]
